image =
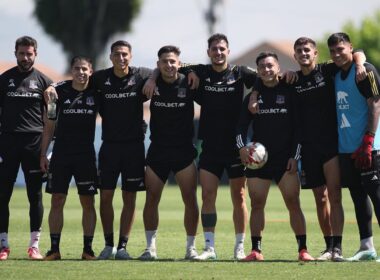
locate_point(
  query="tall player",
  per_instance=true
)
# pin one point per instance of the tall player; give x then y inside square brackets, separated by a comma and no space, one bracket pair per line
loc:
[220,95]
[277,112]
[171,149]
[73,155]
[22,107]
[358,110]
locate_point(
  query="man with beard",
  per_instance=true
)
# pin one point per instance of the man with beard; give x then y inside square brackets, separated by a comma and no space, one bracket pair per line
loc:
[22,107]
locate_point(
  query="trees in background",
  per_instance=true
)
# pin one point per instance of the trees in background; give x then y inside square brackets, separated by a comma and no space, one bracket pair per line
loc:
[84,27]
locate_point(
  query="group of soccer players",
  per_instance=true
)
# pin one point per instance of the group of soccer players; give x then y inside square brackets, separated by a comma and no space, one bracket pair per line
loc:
[328,117]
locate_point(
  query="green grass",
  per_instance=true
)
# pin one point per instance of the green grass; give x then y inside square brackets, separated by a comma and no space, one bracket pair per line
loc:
[279,245]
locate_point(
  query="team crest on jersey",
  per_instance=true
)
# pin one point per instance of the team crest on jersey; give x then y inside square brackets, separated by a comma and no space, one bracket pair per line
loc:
[108,82]
[11,83]
[318,77]
[131,81]
[208,80]
[33,84]
[181,93]
[280,99]
[230,79]
[90,101]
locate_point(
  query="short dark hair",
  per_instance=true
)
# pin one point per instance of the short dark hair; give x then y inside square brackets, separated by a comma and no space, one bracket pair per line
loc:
[336,38]
[121,43]
[26,41]
[263,55]
[80,58]
[217,37]
[169,49]
[303,41]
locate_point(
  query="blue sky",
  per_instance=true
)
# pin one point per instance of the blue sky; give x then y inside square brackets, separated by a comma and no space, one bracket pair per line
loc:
[181,22]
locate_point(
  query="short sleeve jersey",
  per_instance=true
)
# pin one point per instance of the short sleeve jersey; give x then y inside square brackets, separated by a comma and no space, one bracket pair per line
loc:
[76,119]
[274,125]
[220,95]
[172,113]
[21,100]
[121,103]
[316,104]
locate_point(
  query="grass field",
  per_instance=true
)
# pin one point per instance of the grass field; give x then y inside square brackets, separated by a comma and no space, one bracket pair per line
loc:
[279,245]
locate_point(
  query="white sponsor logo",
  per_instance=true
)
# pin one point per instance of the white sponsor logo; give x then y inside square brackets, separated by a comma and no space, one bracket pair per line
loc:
[169,104]
[11,83]
[23,94]
[75,111]
[342,97]
[219,89]
[91,188]
[273,111]
[208,80]
[374,178]
[67,101]
[120,95]
[344,123]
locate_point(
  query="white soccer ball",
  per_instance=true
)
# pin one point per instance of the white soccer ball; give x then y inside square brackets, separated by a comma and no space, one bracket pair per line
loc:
[258,155]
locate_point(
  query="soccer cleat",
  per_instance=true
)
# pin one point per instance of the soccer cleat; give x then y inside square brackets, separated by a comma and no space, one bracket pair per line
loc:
[52,256]
[363,255]
[108,253]
[149,254]
[89,256]
[239,253]
[4,253]
[122,254]
[337,255]
[34,253]
[304,256]
[254,256]
[208,254]
[326,255]
[191,253]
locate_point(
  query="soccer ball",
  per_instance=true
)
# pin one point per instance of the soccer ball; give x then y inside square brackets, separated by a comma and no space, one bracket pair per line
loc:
[258,155]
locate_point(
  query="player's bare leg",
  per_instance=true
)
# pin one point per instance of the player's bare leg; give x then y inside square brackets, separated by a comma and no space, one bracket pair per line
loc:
[240,214]
[187,181]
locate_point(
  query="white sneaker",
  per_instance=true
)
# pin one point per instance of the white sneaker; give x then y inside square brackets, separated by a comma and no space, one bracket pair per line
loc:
[337,255]
[149,254]
[239,253]
[363,255]
[108,253]
[191,253]
[207,254]
[122,254]
[326,255]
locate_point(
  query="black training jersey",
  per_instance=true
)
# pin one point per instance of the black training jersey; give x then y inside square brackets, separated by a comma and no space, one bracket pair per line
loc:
[275,124]
[315,98]
[76,119]
[220,95]
[21,100]
[172,113]
[121,103]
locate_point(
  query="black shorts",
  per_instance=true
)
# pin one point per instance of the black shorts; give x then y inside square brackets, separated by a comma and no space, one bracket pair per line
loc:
[311,166]
[16,149]
[127,159]
[352,177]
[212,162]
[80,166]
[274,169]
[162,160]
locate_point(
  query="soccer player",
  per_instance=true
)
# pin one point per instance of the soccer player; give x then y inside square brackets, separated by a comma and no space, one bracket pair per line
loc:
[220,95]
[171,149]
[22,107]
[358,107]
[275,120]
[73,155]
[319,155]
